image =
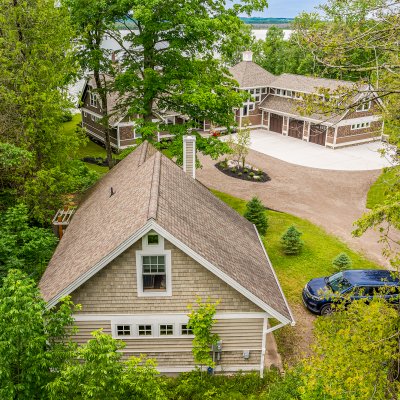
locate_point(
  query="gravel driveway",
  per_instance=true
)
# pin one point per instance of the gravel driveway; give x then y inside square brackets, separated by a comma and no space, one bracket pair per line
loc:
[330,199]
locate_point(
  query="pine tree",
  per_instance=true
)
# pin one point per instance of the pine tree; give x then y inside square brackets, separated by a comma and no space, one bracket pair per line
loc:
[291,242]
[255,213]
[342,262]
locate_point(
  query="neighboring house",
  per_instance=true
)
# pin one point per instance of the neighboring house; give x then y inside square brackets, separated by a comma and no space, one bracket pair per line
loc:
[275,105]
[145,242]
[123,132]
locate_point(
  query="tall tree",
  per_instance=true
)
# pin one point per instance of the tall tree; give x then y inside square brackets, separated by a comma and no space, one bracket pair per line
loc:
[35,69]
[92,20]
[169,60]
[34,342]
[361,38]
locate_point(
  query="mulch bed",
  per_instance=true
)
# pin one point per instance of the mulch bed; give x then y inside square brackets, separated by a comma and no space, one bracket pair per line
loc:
[239,173]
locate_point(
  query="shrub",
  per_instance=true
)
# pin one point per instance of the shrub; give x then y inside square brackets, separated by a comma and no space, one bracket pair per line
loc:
[291,242]
[240,173]
[255,213]
[233,170]
[245,170]
[251,174]
[342,262]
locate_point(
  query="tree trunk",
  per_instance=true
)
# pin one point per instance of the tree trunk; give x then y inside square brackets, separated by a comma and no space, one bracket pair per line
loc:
[102,91]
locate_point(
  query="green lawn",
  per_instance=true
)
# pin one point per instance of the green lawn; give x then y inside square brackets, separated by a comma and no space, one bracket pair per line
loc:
[90,149]
[316,258]
[376,193]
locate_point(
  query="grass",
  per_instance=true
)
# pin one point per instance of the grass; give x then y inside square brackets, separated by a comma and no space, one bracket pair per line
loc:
[376,193]
[89,149]
[319,250]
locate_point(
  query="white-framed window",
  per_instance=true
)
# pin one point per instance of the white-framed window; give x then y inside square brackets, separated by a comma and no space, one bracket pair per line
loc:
[153,264]
[263,90]
[93,99]
[92,117]
[364,106]
[289,93]
[273,91]
[251,107]
[136,135]
[360,125]
[251,91]
[123,330]
[166,330]
[145,330]
[85,114]
[185,330]
[258,91]
[245,111]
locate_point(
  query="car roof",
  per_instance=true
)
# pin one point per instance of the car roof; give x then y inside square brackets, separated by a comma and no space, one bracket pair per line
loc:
[371,277]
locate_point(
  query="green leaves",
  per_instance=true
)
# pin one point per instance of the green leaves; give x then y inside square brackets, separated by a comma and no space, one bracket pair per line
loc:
[255,213]
[291,242]
[201,321]
[33,342]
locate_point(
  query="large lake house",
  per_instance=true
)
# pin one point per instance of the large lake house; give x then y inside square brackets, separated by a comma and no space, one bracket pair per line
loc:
[147,240]
[273,106]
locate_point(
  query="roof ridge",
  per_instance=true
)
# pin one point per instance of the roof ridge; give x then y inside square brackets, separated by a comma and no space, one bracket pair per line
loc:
[143,152]
[155,186]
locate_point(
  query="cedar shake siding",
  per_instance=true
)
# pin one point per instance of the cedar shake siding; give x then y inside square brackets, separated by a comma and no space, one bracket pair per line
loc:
[175,354]
[96,130]
[114,288]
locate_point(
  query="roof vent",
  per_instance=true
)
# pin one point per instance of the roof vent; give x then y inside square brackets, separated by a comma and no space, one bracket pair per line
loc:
[189,155]
[248,55]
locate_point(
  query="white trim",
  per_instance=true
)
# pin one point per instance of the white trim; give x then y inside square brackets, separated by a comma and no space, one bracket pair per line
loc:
[151,224]
[292,323]
[175,317]
[227,279]
[118,138]
[92,113]
[127,124]
[101,264]
[299,117]
[351,121]
[139,272]
[218,368]
[263,346]
[274,328]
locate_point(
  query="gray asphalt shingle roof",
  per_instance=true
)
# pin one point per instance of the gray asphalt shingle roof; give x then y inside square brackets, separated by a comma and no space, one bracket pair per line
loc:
[147,186]
[248,74]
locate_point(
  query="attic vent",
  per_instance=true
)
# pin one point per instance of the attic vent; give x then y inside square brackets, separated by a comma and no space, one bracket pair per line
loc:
[61,221]
[112,192]
[247,56]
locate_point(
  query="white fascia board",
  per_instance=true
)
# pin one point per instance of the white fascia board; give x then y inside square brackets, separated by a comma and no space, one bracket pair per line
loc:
[292,322]
[224,277]
[101,264]
[152,225]
[90,112]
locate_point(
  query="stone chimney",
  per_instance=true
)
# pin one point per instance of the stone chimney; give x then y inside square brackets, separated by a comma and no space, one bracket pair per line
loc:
[247,56]
[189,155]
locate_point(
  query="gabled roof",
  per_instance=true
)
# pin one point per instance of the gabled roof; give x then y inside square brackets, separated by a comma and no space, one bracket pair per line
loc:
[290,106]
[248,74]
[307,84]
[150,188]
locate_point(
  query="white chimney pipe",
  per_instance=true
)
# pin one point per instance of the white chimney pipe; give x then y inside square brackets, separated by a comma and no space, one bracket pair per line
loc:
[189,155]
[247,56]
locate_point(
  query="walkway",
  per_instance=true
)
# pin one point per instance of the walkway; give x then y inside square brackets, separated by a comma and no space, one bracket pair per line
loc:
[355,158]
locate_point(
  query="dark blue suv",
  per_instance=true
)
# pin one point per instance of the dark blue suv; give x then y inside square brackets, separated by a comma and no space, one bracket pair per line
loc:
[320,293]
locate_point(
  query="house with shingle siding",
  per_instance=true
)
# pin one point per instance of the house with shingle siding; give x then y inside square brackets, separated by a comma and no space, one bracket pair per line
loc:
[275,105]
[147,240]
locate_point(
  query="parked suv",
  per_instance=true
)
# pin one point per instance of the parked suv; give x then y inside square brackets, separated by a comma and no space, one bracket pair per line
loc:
[320,293]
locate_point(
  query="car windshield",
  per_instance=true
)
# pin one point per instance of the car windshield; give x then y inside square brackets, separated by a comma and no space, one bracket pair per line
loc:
[338,283]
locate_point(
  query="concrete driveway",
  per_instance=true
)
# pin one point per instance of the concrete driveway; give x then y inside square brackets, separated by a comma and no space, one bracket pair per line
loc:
[362,157]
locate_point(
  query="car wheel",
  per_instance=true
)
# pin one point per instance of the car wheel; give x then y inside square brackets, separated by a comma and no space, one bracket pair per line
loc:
[326,310]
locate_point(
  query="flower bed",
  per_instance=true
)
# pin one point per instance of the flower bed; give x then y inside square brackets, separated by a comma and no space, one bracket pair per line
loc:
[248,173]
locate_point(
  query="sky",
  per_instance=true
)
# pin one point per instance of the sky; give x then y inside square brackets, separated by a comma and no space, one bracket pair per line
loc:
[287,8]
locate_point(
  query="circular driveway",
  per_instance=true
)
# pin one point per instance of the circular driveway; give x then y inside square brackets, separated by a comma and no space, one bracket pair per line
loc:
[362,157]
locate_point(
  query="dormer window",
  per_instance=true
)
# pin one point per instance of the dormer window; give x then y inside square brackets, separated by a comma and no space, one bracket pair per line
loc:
[93,99]
[364,106]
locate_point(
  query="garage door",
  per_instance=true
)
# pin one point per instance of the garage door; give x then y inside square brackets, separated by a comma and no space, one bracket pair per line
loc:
[318,134]
[296,128]
[275,123]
